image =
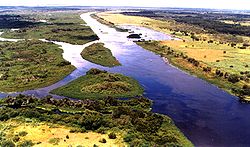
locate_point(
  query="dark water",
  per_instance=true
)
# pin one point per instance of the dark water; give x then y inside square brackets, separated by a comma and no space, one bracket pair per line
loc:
[207,115]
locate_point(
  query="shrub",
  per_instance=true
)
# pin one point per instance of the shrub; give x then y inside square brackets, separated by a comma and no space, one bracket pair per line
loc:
[112,135]
[101,130]
[22,133]
[26,143]
[103,140]
[16,138]
[95,71]
[67,136]
[129,137]
[63,63]
[54,141]
[210,41]
[242,47]
[233,78]
[77,130]
[7,143]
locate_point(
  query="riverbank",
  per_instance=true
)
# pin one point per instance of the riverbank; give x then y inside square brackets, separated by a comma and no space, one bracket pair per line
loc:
[222,64]
[228,82]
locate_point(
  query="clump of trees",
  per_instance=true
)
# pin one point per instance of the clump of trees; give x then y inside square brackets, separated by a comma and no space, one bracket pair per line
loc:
[132,115]
[15,21]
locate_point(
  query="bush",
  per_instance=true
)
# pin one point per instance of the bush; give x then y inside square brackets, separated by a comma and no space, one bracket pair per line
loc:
[22,133]
[26,143]
[7,143]
[54,141]
[77,130]
[64,63]
[101,130]
[95,71]
[233,78]
[129,137]
[103,140]
[242,47]
[112,135]
[16,138]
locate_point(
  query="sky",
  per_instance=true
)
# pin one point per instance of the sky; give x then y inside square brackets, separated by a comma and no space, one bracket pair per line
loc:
[217,4]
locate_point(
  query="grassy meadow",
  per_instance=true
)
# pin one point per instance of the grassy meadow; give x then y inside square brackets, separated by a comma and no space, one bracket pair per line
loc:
[97,84]
[29,121]
[31,64]
[56,26]
[99,54]
[29,132]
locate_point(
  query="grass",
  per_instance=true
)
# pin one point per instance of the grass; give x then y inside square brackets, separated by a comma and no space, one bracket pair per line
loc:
[31,64]
[210,53]
[99,54]
[108,23]
[242,23]
[130,120]
[175,58]
[47,134]
[221,54]
[99,85]
[60,26]
[170,26]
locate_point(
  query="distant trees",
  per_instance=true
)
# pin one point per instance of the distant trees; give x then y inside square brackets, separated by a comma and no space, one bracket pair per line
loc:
[14,21]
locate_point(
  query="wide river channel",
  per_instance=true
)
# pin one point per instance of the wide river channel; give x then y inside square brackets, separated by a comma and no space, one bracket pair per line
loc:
[207,115]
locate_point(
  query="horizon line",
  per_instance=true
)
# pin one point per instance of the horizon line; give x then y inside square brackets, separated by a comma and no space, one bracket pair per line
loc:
[124,6]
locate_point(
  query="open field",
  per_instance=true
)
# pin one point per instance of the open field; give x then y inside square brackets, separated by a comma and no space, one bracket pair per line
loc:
[47,134]
[97,84]
[31,64]
[220,56]
[106,121]
[242,23]
[99,54]
[57,26]
[216,73]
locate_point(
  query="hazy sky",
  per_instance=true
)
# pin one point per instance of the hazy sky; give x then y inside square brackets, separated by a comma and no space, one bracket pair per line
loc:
[221,4]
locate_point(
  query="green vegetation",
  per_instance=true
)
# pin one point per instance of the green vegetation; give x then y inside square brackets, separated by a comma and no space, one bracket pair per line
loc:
[216,52]
[108,23]
[99,54]
[60,26]
[97,84]
[54,141]
[131,118]
[237,84]
[202,26]
[31,64]
[15,21]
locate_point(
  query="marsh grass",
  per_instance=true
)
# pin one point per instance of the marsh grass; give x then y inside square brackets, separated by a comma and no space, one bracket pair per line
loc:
[31,64]
[96,86]
[64,27]
[99,54]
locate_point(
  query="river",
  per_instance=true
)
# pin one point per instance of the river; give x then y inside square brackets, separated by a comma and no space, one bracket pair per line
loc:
[207,115]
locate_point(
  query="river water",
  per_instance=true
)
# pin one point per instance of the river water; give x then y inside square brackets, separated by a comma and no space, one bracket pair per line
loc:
[208,116]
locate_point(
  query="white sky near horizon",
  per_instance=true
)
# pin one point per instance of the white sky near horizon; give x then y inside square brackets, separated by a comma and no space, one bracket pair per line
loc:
[217,4]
